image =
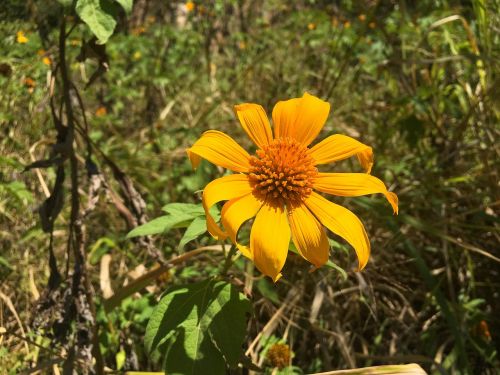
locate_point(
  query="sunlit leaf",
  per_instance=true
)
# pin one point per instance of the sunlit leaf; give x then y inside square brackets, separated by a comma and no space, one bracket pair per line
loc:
[100,17]
[160,225]
[197,227]
[203,326]
[126,4]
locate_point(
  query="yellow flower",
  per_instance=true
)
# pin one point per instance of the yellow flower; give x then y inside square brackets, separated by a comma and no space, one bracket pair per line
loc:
[137,55]
[46,60]
[242,44]
[362,17]
[276,184]
[190,6]
[311,26]
[21,38]
[347,24]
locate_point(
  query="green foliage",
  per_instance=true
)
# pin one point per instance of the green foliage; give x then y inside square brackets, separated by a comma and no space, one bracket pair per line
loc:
[199,328]
[414,80]
[100,16]
[180,215]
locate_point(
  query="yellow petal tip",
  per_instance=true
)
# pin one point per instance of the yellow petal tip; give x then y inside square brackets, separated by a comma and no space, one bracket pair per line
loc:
[245,250]
[193,158]
[277,277]
[393,200]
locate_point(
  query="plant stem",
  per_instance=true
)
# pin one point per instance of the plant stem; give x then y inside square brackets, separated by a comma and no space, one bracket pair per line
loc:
[229,260]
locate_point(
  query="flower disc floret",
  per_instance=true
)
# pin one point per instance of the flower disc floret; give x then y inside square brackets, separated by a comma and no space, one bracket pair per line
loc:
[282,173]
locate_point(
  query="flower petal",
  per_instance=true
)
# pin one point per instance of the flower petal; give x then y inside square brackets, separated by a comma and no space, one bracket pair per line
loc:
[223,189]
[236,212]
[269,240]
[284,116]
[342,222]
[220,149]
[300,118]
[309,236]
[338,147]
[353,185]
[254,121]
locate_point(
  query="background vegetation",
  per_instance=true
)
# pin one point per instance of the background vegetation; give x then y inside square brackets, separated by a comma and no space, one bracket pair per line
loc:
[418,81]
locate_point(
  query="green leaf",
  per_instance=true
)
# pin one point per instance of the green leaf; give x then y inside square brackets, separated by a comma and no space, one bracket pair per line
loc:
[184,209]
[100,17]
[197,227]
[194,210]
[127,5]
[160,225]
[203,325]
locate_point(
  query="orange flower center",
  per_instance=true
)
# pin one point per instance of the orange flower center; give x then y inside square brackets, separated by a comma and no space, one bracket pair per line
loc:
[282,172]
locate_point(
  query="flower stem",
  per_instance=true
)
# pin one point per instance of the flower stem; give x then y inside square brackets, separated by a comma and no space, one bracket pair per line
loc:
[229,260]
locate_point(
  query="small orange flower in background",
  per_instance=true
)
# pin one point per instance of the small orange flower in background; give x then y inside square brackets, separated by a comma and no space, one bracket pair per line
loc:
[45,59]
[101,111]
[21,37]
[242,44]
[138,30]
[311,26]
[372,25]
[30,84]
[362,17]
[190,6]
[277,183]
[484,330]
[347,24]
